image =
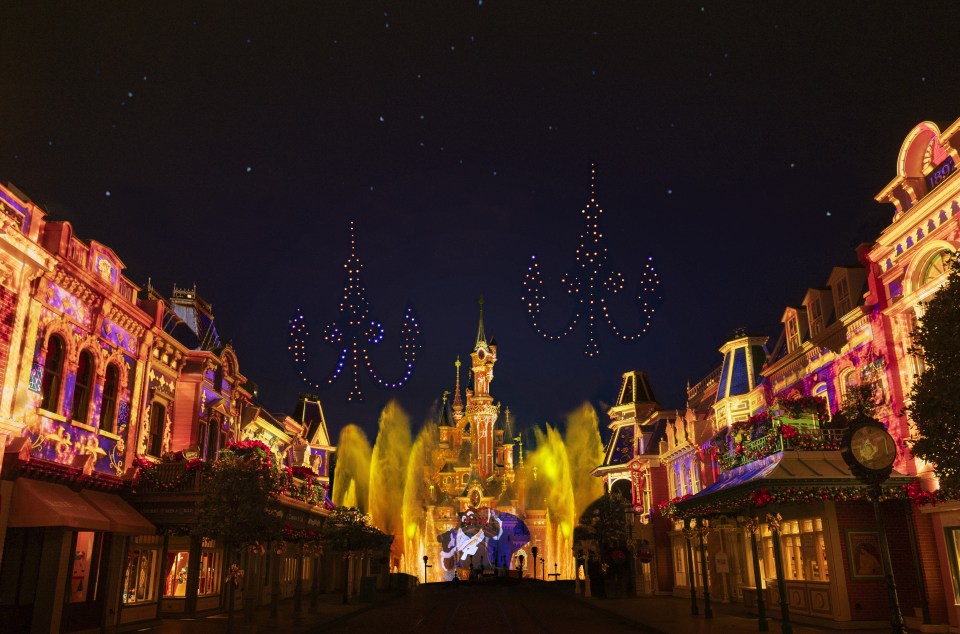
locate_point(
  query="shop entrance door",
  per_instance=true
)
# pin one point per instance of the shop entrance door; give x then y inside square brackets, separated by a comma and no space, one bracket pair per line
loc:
[86,582]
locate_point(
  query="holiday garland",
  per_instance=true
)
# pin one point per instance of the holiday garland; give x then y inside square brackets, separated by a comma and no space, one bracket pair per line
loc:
[149,471]
[762,496]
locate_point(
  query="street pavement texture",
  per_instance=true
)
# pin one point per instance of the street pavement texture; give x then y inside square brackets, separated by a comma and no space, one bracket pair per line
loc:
[499,606]
[488,608]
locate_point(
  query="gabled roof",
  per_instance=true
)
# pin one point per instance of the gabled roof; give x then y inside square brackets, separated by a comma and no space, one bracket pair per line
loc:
[197,314]
[309,413]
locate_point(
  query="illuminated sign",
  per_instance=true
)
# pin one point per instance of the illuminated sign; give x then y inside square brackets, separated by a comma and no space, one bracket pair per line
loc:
[940,173]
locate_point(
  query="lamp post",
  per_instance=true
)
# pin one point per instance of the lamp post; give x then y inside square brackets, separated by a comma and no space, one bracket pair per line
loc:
[535,551]
[425,566]
[691,575]
[752,526]
[702,531]
[520,563]
[773,523]
[543,570]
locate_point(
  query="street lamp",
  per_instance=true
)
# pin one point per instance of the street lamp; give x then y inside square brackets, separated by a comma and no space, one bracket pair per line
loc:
[543,570]
[425,566]
[520,564]
[535,550]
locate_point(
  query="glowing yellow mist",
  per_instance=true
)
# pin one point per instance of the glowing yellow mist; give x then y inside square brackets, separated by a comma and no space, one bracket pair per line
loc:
[352,476]
[584,453]
[416,496]
[388,471]
[554,489]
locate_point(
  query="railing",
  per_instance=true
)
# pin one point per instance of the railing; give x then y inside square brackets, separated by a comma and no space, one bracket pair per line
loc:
[77,252]
[127,290]
[808,440]
[704,383]
[172,477]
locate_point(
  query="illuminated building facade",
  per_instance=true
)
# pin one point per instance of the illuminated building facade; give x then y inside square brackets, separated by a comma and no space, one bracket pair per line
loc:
[100,377]
[631,467]
[772,447]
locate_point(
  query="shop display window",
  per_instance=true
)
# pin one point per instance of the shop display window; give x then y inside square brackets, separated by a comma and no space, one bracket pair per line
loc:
[175,583]
[210,571]
[142,568]
[803,548]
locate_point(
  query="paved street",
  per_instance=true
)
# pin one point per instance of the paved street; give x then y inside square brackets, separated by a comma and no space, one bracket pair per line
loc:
[490,607]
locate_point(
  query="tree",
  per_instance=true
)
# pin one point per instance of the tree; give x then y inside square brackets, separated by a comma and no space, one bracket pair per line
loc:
[240,506]
[349,531]
[603,524]
[935,407]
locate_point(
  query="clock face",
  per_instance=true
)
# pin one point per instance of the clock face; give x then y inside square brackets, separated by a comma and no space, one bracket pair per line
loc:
[481,354]
[475,498]
[873,448]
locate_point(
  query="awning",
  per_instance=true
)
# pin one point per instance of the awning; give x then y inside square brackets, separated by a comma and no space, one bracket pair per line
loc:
[794,470]
[124,519]
[38,503]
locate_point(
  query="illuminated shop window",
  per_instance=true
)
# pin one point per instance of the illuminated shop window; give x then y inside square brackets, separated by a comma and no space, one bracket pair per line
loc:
[953,547]
[83,387]
[175,569]
[142,569]
[210,557]
[803,548]
[52,375]
[108,402]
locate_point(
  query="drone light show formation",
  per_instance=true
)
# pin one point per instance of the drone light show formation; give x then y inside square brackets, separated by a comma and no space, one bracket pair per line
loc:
[590,282]
[353,334]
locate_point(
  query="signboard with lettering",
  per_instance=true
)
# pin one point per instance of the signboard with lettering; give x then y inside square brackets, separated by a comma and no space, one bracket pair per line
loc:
[940,173]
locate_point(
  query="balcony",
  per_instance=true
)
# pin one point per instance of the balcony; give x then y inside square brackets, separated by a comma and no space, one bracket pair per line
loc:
[741,445]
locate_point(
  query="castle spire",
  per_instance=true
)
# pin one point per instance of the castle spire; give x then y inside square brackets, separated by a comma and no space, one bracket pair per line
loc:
[457,403]
[481,336]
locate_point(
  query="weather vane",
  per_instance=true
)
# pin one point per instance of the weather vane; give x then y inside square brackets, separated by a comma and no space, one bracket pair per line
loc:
[590,283]
[353,333]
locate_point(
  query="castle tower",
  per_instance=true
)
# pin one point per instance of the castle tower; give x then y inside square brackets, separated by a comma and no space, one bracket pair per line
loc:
[480,410]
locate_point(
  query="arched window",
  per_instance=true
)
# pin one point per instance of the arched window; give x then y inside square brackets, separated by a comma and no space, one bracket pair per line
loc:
[936,267]
[83,387]
[52,375]
[820,391]
[848,381]
[158,416]
[108,402]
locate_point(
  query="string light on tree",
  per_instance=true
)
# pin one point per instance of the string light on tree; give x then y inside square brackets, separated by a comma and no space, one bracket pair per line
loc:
[590,283]
[353,334]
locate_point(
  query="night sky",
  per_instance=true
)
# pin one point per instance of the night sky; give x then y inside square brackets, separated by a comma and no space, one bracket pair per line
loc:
[739,146]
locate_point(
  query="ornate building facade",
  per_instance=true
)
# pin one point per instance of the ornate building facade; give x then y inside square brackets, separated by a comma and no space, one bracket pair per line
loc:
[99,378]
[772,446]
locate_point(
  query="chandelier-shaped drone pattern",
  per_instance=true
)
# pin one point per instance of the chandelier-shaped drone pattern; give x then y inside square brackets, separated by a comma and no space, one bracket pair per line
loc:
[590,282]
[353,334]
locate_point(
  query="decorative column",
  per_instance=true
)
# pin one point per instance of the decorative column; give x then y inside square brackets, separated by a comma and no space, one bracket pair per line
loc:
[753,527]
[702,532]
[691,573]
[773,523]
[298,584]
